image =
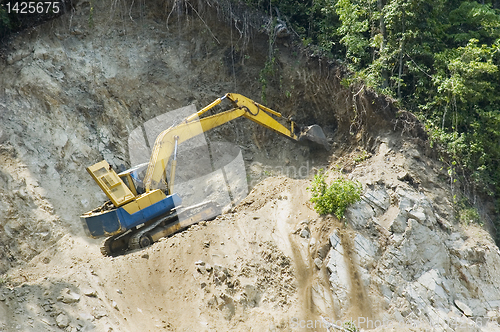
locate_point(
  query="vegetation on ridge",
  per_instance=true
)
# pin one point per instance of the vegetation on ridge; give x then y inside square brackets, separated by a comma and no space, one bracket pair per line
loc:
[438,58]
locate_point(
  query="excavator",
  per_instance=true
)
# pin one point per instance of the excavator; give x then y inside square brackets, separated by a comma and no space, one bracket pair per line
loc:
[143,206]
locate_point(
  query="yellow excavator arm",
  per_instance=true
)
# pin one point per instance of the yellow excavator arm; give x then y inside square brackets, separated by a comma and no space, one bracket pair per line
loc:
[166,143]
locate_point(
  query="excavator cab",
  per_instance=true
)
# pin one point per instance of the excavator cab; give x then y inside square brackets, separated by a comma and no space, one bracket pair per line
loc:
[134,178]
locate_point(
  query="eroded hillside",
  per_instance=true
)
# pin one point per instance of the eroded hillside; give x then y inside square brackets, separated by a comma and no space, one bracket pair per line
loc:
[73,89]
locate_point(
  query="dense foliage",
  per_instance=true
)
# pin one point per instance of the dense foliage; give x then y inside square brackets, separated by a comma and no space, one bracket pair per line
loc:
[438,58]
[335,197]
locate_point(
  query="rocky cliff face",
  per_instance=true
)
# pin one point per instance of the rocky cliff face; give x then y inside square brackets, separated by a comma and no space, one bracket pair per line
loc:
[71,92]
[405,249]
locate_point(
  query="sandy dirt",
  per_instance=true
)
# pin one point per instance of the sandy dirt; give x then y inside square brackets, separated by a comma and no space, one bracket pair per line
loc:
[244,270]
[255,268]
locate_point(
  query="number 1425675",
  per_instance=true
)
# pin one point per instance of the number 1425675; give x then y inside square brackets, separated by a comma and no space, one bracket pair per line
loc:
[32,7]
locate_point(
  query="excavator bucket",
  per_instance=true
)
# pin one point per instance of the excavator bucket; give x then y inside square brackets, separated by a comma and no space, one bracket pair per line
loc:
[313,134]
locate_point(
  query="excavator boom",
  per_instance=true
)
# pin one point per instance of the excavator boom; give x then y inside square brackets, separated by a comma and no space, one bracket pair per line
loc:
[192,126]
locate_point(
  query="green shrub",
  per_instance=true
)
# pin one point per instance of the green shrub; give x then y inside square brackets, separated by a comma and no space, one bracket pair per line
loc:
[465,212]
[333,198]
[350,327]
[469,216]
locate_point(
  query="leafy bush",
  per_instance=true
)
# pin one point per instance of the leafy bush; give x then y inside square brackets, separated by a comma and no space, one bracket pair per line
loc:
[466,213]
[336,197]
[469,215]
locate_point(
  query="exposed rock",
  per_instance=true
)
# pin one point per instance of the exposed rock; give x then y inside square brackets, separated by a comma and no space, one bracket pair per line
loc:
[334,240]
[62,321]
[365,249]
[68,296]
[398,225]
[252,295]
[359,214]
[98,313]
[383,148]
[89,292]
[318,262]
[414,153]
[304,233]
[201,269]
[378,198]
[463,308]
[419,215]
[408,178]
[86,316]
[421,269]
[339,275]
[3,136]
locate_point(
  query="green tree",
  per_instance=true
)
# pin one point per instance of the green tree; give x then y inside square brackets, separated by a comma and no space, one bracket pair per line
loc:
[354,31]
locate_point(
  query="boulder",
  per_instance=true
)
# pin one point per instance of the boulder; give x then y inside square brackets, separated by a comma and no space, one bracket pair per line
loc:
[334,240]
[359,214]
[68,296]
[62,321]
[398,225]
[304,233]
[365,249]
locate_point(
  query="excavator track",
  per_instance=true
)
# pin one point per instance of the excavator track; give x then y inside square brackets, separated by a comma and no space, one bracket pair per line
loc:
[115,244]
[141,239]
[158,228]
[106,247]
[172,224]
[118,244]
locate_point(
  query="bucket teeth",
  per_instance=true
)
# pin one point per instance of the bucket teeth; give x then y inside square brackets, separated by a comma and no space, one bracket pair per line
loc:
[313,134]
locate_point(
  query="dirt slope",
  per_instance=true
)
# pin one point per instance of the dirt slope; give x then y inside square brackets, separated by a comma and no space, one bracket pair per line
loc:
[274,264]
[72,90]
[236,272]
